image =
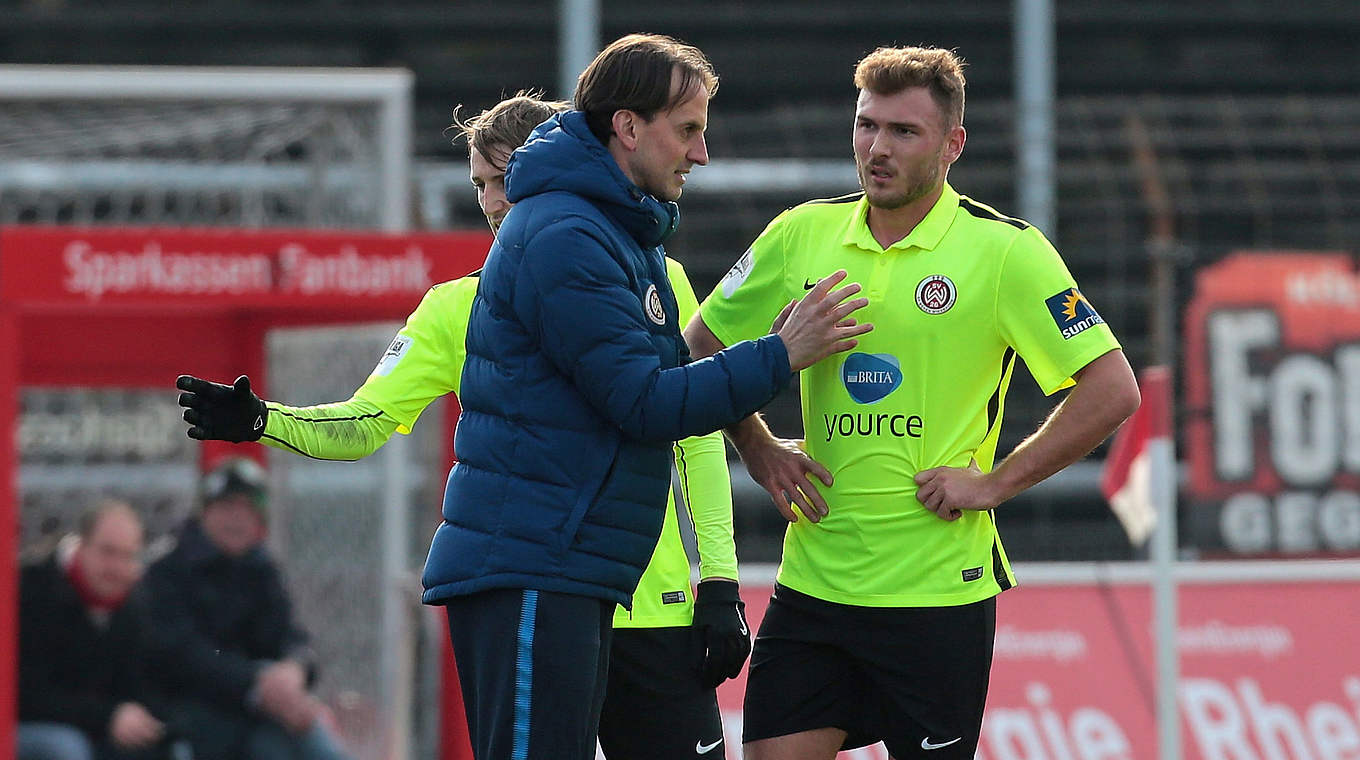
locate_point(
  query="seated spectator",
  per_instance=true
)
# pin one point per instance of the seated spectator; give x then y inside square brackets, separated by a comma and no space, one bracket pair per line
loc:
[228,652]
[82,686]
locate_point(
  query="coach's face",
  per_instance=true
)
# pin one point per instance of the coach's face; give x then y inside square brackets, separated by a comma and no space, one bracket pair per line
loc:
[488,176]
[660,152]
[903,146]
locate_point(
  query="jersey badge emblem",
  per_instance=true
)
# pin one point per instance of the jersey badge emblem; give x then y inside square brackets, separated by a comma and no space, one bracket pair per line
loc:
[1072,312]
[392,356]
[936,294]
[652,304]
[737,274]
[871,377]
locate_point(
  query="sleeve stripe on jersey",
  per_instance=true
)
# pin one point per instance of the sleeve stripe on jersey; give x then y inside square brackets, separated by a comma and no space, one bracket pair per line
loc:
[982,212]
[295,449]
[682,466]
[847,198]
[994,403]
[320,420]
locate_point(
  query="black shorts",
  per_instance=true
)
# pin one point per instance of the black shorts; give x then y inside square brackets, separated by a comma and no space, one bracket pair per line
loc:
[913,678]
[532,666]
[654,706]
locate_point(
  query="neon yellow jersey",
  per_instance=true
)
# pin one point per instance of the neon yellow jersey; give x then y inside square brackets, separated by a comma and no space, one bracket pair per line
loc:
[952,304]
[425,361]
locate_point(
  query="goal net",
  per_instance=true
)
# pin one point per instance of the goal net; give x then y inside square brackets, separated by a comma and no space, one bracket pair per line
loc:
[205,147]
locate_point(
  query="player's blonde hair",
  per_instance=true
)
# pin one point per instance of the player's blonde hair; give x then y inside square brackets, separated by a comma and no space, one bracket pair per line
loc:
[888,71]
[505,126]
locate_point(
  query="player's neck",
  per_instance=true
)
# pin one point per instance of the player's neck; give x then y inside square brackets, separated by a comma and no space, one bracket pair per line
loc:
[890,225]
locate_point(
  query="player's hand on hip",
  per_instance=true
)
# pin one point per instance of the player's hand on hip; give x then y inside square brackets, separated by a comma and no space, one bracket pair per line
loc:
[947,491]
[217,412]
[723,636]
[820,324]
[782,468]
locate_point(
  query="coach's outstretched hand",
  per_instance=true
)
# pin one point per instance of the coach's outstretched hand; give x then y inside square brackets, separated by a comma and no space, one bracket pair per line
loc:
[720,621]
[217,412]
[820,324]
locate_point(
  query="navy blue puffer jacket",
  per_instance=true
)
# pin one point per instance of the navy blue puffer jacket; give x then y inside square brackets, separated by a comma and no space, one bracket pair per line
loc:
[576,384]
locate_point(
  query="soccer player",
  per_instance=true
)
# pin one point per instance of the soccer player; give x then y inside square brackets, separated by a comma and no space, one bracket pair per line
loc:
[883,615]
[660,701]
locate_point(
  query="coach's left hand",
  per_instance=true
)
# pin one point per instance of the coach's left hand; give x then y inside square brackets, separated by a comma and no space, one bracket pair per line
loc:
[947,491]
[720,622]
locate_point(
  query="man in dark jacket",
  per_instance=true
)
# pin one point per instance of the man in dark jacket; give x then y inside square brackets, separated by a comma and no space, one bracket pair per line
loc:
[576,384]
[226,647]
[82,686]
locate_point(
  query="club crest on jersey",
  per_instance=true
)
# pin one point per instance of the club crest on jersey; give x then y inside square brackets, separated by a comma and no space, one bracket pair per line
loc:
[869,378]
[1072,312]
[936,294]
[652,305]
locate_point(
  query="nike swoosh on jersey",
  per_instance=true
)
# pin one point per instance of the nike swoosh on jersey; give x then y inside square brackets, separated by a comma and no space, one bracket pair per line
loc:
[703,749]
[926,745]
[808,284]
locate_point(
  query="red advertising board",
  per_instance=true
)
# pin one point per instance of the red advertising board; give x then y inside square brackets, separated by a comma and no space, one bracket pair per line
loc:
[1272,404]
[1269,670]
[290,269]
[130,308]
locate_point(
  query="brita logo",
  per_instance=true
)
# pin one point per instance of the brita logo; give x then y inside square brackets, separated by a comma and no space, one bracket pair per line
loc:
[871,377]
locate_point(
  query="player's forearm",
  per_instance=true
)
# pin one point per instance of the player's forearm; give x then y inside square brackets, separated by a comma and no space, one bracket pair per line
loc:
[1105,395]
[347,430]
[707,489]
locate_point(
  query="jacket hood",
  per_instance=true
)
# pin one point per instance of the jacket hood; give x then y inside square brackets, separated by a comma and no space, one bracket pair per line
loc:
[562,155]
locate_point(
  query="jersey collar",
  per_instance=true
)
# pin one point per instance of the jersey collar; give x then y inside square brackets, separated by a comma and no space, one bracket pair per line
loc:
[927,234]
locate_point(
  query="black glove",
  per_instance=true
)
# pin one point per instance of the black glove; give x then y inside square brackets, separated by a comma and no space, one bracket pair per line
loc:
[218,412]
[724,638]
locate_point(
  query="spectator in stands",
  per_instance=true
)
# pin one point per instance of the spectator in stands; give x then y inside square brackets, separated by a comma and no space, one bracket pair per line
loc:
[226,647]
[82,687]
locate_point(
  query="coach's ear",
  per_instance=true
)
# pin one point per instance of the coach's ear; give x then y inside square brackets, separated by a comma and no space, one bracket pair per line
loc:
[625,125]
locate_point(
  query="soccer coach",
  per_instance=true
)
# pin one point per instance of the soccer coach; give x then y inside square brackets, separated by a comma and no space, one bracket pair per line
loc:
[577,382]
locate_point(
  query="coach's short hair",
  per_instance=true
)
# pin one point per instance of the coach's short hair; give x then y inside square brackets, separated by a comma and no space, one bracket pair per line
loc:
[634,73]
[506,125]
[888,71]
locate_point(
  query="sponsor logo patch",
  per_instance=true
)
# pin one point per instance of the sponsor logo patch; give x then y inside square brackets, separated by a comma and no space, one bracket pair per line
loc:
[936,294]
[1072,313]
[972,574]
[737,274]
[655,311]
[869,378]
[672,597]
[392,357]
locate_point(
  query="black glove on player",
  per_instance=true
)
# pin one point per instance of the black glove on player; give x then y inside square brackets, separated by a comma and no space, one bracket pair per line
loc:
[217,412]
[725,639]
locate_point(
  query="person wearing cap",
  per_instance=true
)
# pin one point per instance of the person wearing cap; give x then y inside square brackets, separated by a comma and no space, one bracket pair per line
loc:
[226,649]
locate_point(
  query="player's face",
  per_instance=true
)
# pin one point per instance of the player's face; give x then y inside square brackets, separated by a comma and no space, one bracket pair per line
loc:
[233,525]
[670,145]
[111,557]
[902,146]
[488,176]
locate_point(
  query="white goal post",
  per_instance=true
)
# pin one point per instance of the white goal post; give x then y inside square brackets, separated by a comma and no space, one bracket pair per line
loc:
[324,147]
